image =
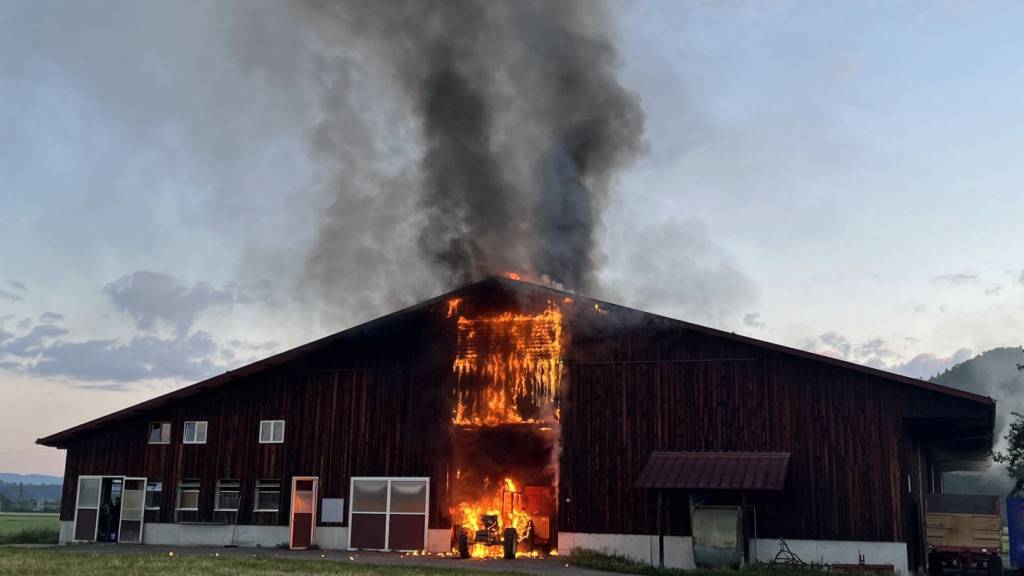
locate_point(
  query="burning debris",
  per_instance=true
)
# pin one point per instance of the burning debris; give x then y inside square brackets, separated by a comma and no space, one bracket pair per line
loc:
[505,425]
[517,360]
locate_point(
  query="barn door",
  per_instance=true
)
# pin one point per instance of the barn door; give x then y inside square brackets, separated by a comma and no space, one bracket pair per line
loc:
[87,508]
[133,510]
[388,513]
[302,524]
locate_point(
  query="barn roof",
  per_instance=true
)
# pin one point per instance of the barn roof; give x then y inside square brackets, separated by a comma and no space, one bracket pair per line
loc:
[60,439]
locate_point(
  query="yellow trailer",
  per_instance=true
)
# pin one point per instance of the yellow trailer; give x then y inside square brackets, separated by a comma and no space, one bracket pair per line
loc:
[964,532]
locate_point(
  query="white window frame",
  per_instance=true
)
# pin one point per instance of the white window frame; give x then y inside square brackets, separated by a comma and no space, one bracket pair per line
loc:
[145,500]
[387,510]
[170,432]
[266,486]
[227,484]
[195,429]
[181,488]
[273,424]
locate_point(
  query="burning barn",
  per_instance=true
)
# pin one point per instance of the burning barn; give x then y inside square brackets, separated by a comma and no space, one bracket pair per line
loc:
[507,417]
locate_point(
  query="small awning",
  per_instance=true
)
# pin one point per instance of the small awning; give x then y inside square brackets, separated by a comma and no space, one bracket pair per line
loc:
[715,470]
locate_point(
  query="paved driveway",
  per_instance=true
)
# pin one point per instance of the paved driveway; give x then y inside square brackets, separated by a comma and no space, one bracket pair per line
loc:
[537,566]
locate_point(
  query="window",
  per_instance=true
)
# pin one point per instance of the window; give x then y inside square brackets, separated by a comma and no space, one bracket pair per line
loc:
[271,431]
[154,490]
[159,432]
[188,495]
[195,432]
[227,495]
[268,495]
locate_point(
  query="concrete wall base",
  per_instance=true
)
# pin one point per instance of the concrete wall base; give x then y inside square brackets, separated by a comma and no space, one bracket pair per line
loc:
[679,549]
[639,547]
[214,535]
[67,532]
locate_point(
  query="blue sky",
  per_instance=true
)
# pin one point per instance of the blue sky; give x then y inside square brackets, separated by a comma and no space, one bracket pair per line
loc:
[840,177]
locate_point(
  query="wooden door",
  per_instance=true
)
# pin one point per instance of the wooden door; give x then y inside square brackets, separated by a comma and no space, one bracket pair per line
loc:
[87,508]
[133,511]
[302,523]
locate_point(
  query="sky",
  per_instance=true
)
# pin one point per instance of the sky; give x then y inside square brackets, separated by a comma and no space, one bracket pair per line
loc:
[839,177]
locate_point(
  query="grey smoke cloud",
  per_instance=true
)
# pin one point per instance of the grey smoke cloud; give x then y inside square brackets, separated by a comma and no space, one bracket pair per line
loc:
[523,124]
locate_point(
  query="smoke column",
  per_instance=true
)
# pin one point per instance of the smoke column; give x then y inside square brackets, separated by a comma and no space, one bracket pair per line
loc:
[522,121]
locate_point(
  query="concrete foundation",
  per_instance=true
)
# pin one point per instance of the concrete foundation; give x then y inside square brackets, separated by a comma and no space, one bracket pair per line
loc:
[679,549]
[639,547]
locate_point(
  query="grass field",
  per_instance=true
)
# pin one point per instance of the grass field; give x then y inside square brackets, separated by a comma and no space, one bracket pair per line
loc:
[18,521]
[28,528]
[26,562]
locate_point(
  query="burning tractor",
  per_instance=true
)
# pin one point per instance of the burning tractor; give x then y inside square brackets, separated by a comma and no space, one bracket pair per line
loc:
[519,524]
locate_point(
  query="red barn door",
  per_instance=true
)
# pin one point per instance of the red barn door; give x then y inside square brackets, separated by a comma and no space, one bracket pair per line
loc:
[302,525]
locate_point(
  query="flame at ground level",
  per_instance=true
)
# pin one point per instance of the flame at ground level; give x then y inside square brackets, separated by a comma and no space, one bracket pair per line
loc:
[504,504]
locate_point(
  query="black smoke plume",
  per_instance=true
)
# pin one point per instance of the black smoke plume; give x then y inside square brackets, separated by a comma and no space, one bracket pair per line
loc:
[523,125]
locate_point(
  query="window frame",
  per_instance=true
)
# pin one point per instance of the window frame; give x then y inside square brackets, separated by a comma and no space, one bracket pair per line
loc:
[273,425]
[228,485]
[161,424]
[145,501]
[195,428]
[187,486]
[265,486]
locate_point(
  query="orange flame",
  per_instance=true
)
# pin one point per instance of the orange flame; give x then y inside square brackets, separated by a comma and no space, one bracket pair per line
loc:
[453,306]
[505,503]
[516,356]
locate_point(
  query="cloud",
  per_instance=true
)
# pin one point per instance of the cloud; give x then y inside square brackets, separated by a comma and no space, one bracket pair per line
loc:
[141,358]
[17,285]
[835,345]
[51,317]
[30,344]
[878,353]
[956,279]
[148,297]
[5,295]
[927,365]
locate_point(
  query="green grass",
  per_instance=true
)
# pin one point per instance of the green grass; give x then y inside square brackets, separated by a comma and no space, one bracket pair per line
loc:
[18,521]
[596,560]
[29,528]
[29,562]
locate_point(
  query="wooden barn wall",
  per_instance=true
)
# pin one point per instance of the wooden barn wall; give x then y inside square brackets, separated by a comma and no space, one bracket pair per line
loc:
[366,407]
[634,389]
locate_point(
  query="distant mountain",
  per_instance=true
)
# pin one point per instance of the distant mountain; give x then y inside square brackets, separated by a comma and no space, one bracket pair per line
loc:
[994,374]
[30,478]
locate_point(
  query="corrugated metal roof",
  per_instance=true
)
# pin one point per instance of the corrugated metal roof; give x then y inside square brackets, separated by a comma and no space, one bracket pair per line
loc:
[715,470]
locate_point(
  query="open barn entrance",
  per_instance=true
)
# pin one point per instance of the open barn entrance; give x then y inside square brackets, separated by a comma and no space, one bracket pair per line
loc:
[109,509]
[505,433]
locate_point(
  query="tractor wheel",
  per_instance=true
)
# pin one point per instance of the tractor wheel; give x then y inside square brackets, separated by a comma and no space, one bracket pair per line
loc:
[995,565]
